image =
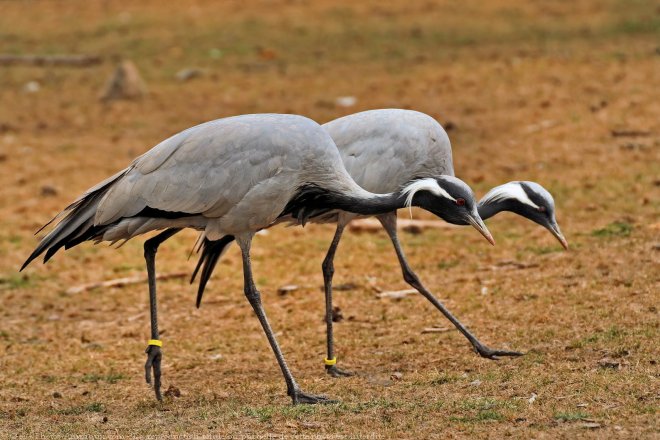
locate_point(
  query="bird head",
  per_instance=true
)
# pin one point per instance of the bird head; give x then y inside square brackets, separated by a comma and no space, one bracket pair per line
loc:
[530,200]
[449,198]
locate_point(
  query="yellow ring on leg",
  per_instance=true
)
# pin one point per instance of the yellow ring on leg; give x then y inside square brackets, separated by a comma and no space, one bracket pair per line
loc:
[330,362]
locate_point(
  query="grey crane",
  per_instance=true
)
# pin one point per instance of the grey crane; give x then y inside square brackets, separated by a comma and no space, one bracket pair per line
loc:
[383,149]
[233,177]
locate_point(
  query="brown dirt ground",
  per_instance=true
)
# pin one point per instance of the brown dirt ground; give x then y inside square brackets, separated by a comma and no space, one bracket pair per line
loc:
[534,91]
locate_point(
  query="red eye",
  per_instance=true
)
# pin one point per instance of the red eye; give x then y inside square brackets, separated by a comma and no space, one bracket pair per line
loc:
[542,209]
[460,202]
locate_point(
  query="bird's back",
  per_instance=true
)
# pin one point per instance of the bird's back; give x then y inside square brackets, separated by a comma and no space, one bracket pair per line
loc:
[214,167]
[384,149]
[227,176]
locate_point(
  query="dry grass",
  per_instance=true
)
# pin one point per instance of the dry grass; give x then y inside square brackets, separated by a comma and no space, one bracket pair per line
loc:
[534,90]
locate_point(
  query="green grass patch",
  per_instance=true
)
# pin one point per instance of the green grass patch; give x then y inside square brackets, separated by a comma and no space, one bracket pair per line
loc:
[481,416]
[571,416]
[445,378]
[17,281]
[264,414]
[543,250]
[614,229]
[80,409]
[447,264]
[481,410]
[613,333]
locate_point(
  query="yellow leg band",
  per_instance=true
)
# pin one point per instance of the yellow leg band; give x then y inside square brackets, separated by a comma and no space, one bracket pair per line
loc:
[155,342]
[330,362]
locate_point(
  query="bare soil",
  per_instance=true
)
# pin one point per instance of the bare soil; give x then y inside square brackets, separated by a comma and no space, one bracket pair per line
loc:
[562,93]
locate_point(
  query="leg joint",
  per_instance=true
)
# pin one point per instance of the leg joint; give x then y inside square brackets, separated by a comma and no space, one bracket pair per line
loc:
[253,296]
[328,267]
[151,246]
[410,278]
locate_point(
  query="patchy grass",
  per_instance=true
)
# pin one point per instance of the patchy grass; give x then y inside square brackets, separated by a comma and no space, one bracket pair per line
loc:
[615,229]
[81,409]
[17,281]
[507,74]
[571,416]
[111,378]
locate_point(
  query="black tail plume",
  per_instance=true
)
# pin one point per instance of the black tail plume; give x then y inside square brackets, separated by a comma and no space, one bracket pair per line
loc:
[211,253]
[76,224]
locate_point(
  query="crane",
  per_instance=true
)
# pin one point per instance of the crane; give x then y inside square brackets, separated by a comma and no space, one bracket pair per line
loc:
[382,150]
[234,177]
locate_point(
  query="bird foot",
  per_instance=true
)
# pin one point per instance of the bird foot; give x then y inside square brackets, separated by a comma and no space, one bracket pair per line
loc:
[489,353]
[300,397]
[154,357]
[333,371]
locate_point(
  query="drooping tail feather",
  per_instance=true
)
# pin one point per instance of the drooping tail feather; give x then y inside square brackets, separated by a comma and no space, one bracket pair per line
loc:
[76,224]
[211,253]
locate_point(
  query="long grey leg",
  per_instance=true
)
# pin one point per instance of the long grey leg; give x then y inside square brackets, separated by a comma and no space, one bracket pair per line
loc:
[154,353]
[254,297]
[389,223]
[328,272]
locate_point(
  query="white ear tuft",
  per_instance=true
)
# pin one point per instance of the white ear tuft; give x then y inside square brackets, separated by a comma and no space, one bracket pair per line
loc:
[511,190]
[428,184]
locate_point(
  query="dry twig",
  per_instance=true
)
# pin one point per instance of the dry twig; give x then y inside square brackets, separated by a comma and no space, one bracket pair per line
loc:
[121,282]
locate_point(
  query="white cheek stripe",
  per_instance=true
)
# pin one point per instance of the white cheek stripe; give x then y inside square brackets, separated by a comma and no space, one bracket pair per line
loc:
[509,191]
[428,184]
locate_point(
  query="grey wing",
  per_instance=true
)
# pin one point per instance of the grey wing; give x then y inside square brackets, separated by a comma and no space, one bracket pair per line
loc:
[205,170]
[384,149]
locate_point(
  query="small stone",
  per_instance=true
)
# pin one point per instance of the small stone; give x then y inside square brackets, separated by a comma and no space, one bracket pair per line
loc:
[57,395]
[397,375]
[32,87]
[346,101]
[188,74]
[48,191]
[125,83]
[283,290]
[337,314]
[609,363]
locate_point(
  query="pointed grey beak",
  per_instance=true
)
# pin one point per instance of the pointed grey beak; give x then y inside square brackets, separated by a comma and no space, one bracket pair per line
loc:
[554,229]
[479,225]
